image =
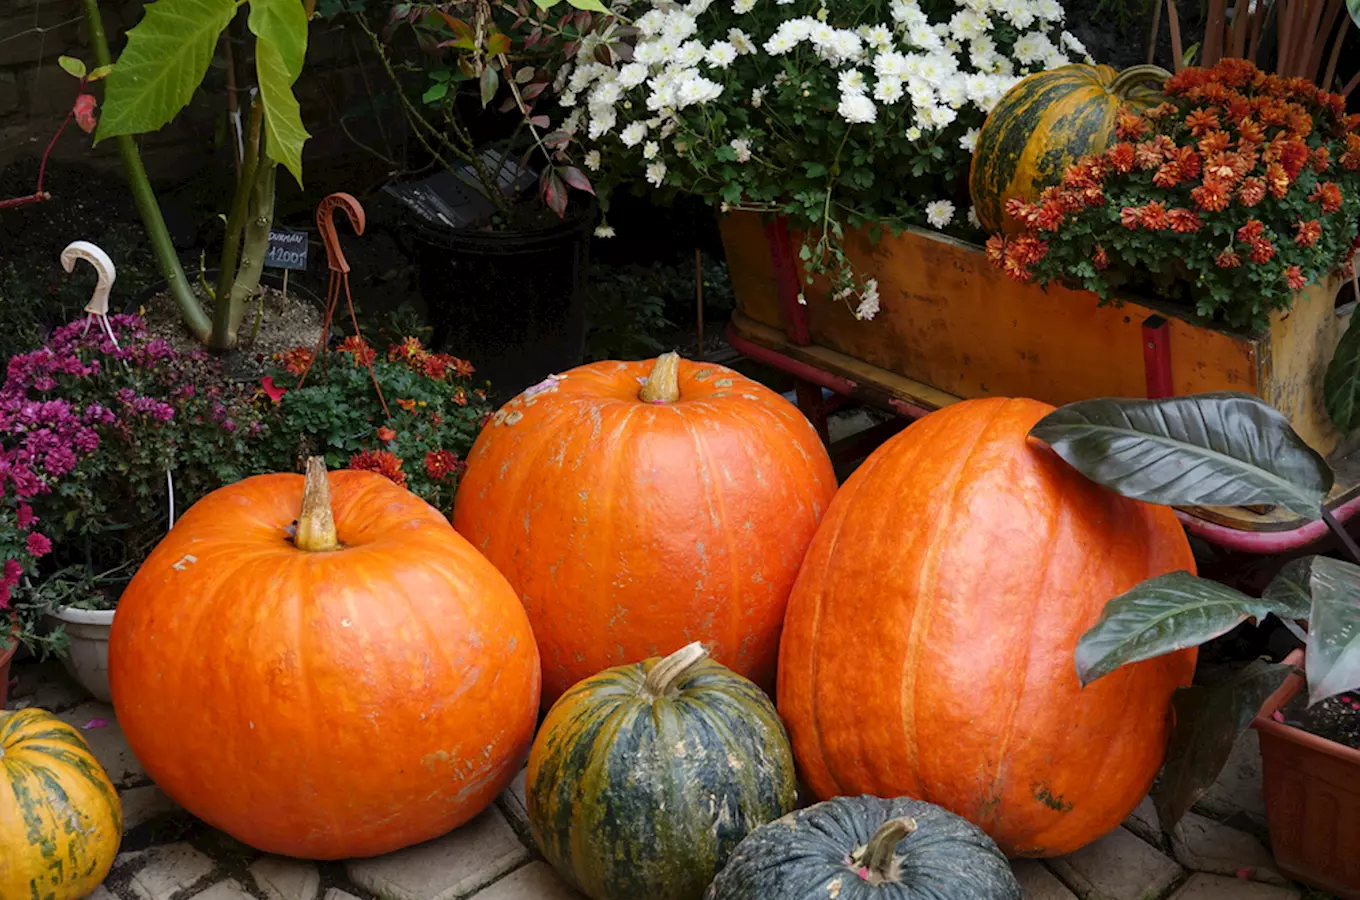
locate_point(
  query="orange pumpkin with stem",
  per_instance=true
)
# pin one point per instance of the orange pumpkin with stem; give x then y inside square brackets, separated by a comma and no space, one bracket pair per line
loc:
[930,640]
[364,685]
[639,506]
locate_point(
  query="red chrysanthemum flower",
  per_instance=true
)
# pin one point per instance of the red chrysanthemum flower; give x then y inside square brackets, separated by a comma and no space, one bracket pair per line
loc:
[1322,160]
[1214,142]
[386,435]
[1154,216]
[1250,130]
[1168,176]
[1277,180]
[38,544]
[1327,195]
[1262,251]
[409,350]
[435,365]
[996,250]
[1228,259]
[1293,276]
[1050,216]
[1212,196]
[358,348]
[294,361]
[408,405]
[1183,221]
[1252,191]
[384,462]
[1200,121]
[462,368]
[1121,157]
[1100,260]
[460,397]
[1130,126]
[440,464]
[1252,230]
[1131,217]
[1148,155]
[1306,234]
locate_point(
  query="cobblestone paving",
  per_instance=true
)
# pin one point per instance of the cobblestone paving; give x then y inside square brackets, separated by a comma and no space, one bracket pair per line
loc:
[1218,854]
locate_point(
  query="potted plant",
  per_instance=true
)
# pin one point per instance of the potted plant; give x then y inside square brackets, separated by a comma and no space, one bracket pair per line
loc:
[1230,449]
[500,247]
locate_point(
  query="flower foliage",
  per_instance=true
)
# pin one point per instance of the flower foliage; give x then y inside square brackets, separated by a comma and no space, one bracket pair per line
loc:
[1239,190]
[436,413]
[846,114]
[88,430]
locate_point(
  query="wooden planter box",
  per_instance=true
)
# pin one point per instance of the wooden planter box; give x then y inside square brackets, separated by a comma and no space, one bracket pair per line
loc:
[952,327]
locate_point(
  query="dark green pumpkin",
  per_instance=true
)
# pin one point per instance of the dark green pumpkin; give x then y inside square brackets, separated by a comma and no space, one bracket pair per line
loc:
[645,777]
[867,848]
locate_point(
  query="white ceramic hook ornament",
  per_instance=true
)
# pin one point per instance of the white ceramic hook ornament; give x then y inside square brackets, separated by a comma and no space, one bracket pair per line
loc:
[103,267]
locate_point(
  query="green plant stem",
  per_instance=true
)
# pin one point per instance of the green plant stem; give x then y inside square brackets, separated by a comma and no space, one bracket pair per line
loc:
[254,247]
[223,314]
[191,311]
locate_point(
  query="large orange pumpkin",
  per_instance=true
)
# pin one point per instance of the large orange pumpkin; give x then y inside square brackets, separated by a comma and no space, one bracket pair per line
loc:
[634,519]
[368,684]
[928,649]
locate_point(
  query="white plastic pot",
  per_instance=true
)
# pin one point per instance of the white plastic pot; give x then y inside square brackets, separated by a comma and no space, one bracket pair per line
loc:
[88,658]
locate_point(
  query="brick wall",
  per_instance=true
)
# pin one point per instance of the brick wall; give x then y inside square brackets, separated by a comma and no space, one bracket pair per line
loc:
[35,93]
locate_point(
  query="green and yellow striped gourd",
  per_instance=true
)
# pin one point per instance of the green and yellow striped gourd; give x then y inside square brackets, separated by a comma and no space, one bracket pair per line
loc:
[1045,123]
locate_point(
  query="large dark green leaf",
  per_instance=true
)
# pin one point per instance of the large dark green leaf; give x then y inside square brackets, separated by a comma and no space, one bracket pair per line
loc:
[1162,615]
[1209,720]
[1291,590]
[1220,449]
[1341,384]
[166,57]
[1334,629]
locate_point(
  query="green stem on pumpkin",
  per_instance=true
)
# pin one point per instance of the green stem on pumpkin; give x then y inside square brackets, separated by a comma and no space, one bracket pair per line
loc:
[316,524]
[663,385]
[1136,75]
[877,856]
[666,674]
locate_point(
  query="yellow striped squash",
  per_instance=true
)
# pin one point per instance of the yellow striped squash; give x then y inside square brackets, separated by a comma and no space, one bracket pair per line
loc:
[1044,124]
[60,819]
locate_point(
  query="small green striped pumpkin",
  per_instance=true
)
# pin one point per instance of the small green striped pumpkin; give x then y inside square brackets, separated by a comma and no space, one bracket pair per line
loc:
[60,819]
[867,848]
[644,778]
[1044,124]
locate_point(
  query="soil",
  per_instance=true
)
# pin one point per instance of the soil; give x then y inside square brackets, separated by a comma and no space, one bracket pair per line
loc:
[1336,718]
[285,322]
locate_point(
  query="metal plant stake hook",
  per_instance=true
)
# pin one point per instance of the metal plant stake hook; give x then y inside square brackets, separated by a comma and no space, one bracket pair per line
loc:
[98,307]
[325,222]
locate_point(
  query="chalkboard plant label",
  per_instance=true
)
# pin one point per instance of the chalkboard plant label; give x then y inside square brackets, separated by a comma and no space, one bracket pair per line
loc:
[287,250]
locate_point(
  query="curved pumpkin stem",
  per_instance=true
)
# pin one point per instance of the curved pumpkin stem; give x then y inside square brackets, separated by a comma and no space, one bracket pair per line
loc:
[877,856]
[668,672]
[663,385]
[1136,75]
[316,524]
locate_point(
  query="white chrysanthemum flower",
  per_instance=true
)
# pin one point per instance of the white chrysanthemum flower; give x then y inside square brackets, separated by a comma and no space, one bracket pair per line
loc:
[943,116]
[965,25]
[568,99]
[592,160]
[922,97]
[679,26]
[696,89]
[1049,10]
[650,150]
[656,174]
[651,22]
[868,301]
[742,147]
[604,231]
[632,75]
[698,7]
[721,54]
[633,134]
[890,64]
[889,90]
[924,36]
[857,109]
[572,123]
[780,42]
[741,41]
[913,133]
[973,217]
[939,213]
[741,7]
[968,142]
[852,81]
[1070,41]
[757,97]
[879,37]
[605,93]
[976,87]
[954,91]
[691,54]
[1032,47]
[1021,15]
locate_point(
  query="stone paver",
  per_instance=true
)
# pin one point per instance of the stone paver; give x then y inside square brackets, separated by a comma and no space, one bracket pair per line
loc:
[286,879]
[536,881]
[1238,788]
[142,804]
[1215,887]
[107,742]
[514,805]
[337,894]
[1119,866]
[101,893]
[46,686]
[1143,822]
[169,869]
[1203,845]
[226,890]
[447,868]
[1037,883]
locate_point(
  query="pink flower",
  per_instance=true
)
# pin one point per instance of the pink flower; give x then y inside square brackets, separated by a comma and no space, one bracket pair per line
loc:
[14,570]
[38,544]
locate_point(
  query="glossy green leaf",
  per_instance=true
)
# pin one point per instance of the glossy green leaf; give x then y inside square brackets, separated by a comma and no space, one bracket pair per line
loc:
[437,91]
[590,5]
[1159,616]
[489,82]
[166,57]
[1219,449]
[1290,591]
[1341,384]
[280,29]
[1209,720]
[1334,629]
[72,66]
[100,72]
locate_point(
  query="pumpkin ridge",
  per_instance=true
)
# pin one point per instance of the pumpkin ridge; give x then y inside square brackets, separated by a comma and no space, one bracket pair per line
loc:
[717,510]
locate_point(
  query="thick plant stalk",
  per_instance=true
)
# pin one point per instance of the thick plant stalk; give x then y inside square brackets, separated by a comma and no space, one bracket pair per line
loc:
[316,524]
[666,674]
[223,314]
[877,856]
[191,311]
[663,385]
[254,247]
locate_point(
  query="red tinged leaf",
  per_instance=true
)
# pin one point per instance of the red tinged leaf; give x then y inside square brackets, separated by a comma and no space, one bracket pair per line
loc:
[534,37]
[539,121]
[583,22]
[497,44]
[557,140]
[603,55]
[460,28]
[508,104]
[524,75]
[569,49]
[577,179]
[489,82]
[84,113]
[555,194]
[534,90]
[623,51]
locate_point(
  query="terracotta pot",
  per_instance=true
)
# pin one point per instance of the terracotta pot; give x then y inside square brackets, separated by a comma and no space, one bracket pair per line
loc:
[6,656]
[1312,792]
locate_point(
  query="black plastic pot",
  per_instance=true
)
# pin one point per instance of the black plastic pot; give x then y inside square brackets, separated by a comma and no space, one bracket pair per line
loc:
[513,303]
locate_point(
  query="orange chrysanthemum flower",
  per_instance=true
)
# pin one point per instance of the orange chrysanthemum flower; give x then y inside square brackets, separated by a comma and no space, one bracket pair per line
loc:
[1121,157]
[1293,277]
[1183,221]
[1306,234]
[1130,126]
[384,462]
[1100,259]
[1212,195]
[1327,195]
[1214,142]
[1262,251]
[1200,121]
[1252,191]
[296,360]
[356,347]
[1228,259]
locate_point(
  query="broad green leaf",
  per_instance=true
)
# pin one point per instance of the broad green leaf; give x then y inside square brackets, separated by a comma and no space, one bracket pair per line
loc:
[436,91]
[1209,720]
[100,72]
[1291,589]
[489,82]
[166,57]
[1219,449]
[497,44]
[72,66]
[1333,629]
[1341,384]
[1354,7]
[546,4]
[1162,615]
[280,29]
[591,5]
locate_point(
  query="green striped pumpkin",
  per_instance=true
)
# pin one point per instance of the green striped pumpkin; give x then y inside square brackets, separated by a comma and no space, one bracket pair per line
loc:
[644,778]
[1044,124]
[60,819]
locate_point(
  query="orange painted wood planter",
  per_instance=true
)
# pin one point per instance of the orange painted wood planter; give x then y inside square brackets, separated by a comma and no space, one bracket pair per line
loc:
[952,327]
